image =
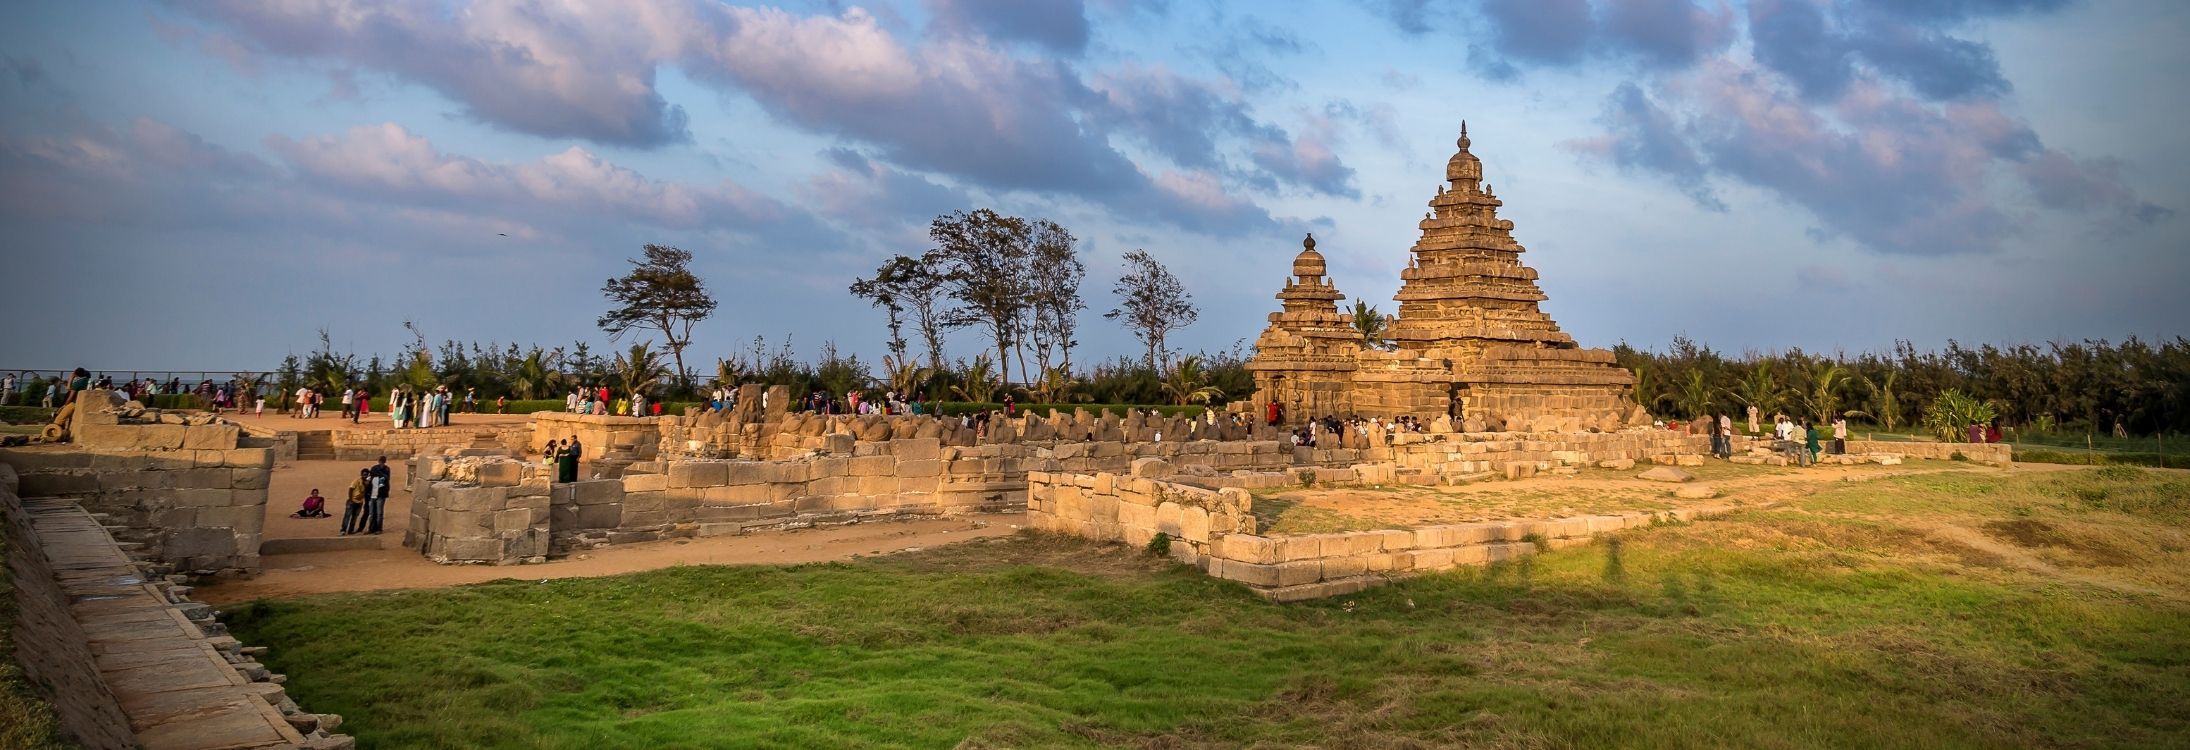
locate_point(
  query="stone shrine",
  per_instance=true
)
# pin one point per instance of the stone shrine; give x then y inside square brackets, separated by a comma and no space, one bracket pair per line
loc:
[1469,341]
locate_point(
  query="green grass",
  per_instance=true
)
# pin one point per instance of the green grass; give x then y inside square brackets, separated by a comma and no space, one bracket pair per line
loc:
[1837,620]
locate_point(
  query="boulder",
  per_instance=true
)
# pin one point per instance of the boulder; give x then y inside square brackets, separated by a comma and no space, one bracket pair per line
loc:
[1666,474]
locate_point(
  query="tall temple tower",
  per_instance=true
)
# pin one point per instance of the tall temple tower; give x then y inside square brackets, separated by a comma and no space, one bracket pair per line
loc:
[1471,341]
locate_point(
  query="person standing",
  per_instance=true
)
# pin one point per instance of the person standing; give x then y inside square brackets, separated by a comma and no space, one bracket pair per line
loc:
[1726,435]
[501,404]
[349,403]
[471,400]
[1840,436]
[377,502]
[353,506]
[1809,442]
[364,401]
[567,466]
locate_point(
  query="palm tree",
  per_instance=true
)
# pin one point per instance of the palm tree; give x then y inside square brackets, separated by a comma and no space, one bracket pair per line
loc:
[1649,394]
[1827,380]
[640,368]
[1759,389]
[534,376]
[1187,382]
[904,375]
[1373,325]
[980,384]
[1057,386]
[1695,395]
[1885,403]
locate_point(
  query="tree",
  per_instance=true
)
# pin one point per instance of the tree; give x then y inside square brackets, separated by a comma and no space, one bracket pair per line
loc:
[977,387]
[1053,275]
[1187,382]
[640,368]
[882,291]
[1695,396]
[292,377]
[534,376]
[982,259]
[1153,304]
[1953,411]
[1372,324]
[659,294]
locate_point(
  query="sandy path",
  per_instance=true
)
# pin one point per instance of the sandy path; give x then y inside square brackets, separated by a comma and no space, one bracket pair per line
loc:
[394,567]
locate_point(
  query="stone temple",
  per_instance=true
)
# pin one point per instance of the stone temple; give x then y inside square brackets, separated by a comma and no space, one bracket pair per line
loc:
[1469,340]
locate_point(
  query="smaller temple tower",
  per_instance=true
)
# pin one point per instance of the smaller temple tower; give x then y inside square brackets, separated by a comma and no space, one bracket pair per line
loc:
[1305,359]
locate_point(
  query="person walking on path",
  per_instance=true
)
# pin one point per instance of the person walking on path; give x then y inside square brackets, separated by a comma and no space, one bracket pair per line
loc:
[377,502]
[567,466]
[353,506]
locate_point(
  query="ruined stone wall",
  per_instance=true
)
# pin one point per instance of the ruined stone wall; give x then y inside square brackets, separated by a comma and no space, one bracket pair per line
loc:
[200,510]
[1134,508]
[367,445]
[481,510]
[49,643]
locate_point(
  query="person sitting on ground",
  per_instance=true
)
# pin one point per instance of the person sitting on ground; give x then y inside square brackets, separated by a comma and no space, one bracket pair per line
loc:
[314,506]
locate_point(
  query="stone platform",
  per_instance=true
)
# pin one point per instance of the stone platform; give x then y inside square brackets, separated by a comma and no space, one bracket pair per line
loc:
[177,685]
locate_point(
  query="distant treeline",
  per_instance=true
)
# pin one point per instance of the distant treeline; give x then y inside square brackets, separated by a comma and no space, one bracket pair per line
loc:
[2082,385]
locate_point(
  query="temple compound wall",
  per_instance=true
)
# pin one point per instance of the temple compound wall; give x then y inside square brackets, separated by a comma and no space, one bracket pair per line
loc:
[368,445]
[179,487]
[1468,341]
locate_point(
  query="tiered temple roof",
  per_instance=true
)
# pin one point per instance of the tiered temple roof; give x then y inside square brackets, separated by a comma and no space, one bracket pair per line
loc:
[1471,341]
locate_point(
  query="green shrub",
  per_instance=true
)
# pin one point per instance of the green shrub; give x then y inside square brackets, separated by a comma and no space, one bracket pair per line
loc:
[25,415]
[1160,545]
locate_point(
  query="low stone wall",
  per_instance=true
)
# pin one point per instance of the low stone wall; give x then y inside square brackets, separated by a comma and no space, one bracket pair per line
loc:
[599,435]
[1134,509]
[1999,453]
[367,445]
[1213,529]
[200,510]
[49,643]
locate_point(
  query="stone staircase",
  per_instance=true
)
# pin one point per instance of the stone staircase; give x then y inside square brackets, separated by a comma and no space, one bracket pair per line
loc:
[316,445]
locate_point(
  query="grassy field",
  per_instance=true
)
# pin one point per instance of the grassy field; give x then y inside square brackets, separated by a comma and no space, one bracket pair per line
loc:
[1980,609]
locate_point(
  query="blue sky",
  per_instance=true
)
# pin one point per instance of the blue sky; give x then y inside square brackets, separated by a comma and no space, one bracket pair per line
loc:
[204,185]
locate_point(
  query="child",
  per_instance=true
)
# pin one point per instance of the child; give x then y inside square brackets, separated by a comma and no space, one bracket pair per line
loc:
[314,505]
[262,409]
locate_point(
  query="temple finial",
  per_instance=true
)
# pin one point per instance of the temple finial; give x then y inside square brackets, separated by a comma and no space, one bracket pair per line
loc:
[1310,242]
[1463,135]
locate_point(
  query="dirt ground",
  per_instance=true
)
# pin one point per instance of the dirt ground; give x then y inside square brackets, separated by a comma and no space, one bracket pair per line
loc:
[392,566]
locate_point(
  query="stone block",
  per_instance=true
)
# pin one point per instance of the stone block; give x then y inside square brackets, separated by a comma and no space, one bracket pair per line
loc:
[920,449]
[500,474]
[595,491]
[1291,548]
[645,483]
[1344,567]
[247,479]
[206,479]
[874,466]
[1248,548]
[1431,559]
[262,458]
[211,437]
[1252,574]
[1299,571]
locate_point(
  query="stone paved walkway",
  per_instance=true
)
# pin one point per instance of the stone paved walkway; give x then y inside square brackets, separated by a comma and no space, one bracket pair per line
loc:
[168,675]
